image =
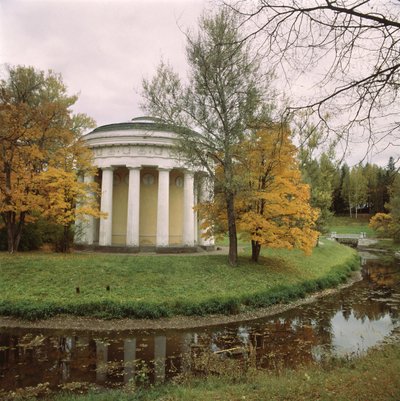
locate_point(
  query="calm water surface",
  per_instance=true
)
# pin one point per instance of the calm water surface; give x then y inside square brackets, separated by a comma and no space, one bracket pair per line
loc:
[344,324]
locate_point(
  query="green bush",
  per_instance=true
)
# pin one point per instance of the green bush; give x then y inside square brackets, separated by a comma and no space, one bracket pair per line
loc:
[35,234]
[31,238]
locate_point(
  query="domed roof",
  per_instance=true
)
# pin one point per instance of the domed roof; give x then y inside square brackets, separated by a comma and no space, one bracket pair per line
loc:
[139,123]
[148,119]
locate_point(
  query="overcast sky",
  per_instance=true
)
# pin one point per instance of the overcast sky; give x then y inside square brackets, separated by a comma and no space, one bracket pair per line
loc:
[104,49]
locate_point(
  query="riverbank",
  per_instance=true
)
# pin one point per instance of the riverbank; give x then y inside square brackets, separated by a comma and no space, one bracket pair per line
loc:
[37,286]
[371,377]
[79,323]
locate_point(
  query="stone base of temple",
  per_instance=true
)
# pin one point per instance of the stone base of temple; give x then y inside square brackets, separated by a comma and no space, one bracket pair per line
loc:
[144,249]
[108,249]
[208,247]
[177,249]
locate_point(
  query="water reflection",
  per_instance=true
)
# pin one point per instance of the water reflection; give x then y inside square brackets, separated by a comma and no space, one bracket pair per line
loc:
[343,324]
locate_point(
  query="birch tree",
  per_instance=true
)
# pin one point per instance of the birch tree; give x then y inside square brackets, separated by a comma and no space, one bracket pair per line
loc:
[354,189]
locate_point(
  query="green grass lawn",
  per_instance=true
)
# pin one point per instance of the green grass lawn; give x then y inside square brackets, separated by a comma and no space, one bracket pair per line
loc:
[372,377]
[386,244]
[347,225]
[38,285]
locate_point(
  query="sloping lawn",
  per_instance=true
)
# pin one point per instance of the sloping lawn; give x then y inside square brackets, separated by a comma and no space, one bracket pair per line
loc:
[39,285]
[347,225]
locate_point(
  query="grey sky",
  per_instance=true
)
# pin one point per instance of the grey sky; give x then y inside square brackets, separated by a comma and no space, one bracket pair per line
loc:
[103,49]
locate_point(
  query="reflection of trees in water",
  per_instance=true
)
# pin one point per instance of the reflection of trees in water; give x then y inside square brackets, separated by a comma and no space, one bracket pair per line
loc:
[28,360]
[286,342]
[368,298]
[293,338]
[277,342]
[382,276]
[381,284]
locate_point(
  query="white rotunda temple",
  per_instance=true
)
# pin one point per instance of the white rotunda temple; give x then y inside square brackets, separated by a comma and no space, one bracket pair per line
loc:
[147,191]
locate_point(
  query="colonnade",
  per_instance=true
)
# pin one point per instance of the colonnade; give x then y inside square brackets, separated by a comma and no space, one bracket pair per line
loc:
[189,228]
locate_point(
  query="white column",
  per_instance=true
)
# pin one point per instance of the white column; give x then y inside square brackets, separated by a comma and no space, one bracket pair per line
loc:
[101,361]
[163,208]
[129,359]
[132,229]
[186,354]
[204,196]
[160,356]
[88,230]
[188,213]
[105,235]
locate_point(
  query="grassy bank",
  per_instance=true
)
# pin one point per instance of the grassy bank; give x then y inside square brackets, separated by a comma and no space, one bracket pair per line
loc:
[386,245]
[116,286]
[347,225]
[369,378]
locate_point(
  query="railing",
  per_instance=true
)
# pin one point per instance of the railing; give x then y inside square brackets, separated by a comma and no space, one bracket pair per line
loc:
[335,235]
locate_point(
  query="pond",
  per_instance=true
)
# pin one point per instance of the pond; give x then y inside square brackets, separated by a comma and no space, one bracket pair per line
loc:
[343,324]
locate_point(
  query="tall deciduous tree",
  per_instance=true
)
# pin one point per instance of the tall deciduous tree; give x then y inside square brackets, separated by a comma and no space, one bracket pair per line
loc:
[36,126]
[354,43]
[226,91]
[394,208]
[68,198]
[355,188]
[318,170]
[273,206]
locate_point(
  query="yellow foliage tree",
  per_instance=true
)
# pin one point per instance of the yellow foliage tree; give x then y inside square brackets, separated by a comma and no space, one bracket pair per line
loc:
[67,197]
[388,224]
[41,151]
[382,224]
[272,207]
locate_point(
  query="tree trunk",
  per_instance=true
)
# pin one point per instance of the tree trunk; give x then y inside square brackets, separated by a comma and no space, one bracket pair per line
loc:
[230,208]
[14,230]
[350,207]
[10,237]
[65,240]
[255,250]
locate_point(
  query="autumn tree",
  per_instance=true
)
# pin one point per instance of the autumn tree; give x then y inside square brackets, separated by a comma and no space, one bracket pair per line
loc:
[225,92]
[36,127]
[273,206]
[68,197]
[389,223]
[350,45]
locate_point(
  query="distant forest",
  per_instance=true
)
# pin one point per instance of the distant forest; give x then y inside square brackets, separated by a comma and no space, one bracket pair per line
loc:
[337,189]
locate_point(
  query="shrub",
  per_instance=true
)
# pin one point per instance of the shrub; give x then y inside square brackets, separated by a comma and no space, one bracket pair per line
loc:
[31,238]
[35,234]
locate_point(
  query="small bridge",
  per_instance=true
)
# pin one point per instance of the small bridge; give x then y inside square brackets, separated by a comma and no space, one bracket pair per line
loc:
[348,239]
